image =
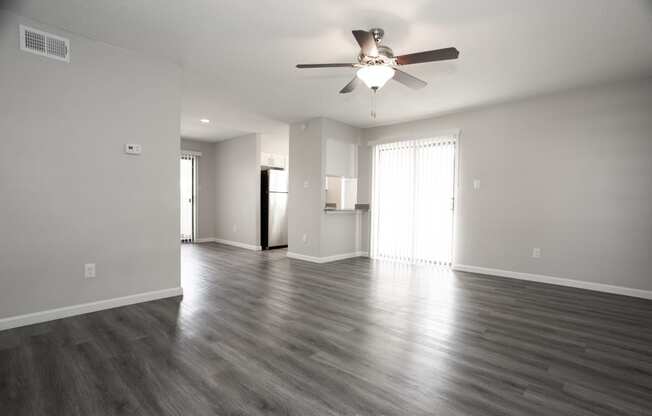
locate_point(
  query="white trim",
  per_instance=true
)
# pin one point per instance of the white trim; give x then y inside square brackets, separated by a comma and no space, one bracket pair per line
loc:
[195,189]
[456,192]
[327,259]
[238,244]
[599,287]
[342,211]
[59,313]
[439,133]
[228,243]
[204,240]
[190,153]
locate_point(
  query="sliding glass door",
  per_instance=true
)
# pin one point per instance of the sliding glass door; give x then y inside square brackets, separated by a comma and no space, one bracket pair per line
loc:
[413,200]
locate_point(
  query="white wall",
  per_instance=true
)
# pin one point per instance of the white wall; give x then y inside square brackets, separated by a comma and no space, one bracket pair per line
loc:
[570,173]
[205,188]
[237,191]
[277,143]
[69,194]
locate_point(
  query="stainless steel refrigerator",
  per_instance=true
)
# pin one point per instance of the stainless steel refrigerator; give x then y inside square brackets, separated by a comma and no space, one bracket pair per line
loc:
[274,208]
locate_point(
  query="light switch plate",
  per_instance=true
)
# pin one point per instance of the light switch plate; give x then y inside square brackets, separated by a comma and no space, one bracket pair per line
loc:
[133,149]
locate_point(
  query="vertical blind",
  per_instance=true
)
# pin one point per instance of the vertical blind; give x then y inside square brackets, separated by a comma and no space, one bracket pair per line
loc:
[412,201]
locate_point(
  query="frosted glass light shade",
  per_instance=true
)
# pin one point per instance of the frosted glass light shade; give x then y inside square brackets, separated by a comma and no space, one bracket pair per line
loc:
[375,76]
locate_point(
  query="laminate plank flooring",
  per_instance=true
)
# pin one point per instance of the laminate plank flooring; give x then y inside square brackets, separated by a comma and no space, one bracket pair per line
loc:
[259,334]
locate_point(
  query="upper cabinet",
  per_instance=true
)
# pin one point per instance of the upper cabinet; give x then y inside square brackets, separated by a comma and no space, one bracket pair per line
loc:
[274,148]
[341,158]
[272,160]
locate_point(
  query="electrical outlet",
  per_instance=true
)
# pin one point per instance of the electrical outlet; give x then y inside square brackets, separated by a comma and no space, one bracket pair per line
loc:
[476,184]
[304,238]
[536,252]
[235,228]
[306,184]
[89,270]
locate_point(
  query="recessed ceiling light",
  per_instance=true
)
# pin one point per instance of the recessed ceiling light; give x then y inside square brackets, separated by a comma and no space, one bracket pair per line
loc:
[205,120]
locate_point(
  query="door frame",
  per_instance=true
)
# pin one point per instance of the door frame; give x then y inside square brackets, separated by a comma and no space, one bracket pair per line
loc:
[457,134]
[194,158]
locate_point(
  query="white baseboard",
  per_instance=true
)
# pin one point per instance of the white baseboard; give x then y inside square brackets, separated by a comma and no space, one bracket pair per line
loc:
[238,244]
[204,240]
[228,243]
[328,258]
[599,287]
[52,314]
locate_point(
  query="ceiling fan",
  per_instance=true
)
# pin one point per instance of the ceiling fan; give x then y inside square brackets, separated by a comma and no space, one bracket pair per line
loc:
[377,63]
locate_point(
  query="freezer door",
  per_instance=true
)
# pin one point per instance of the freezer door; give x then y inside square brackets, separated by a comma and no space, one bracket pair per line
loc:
[278,219]
[278,180]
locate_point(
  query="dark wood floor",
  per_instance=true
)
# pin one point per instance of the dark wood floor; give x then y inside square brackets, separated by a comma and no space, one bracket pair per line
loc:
[258,334]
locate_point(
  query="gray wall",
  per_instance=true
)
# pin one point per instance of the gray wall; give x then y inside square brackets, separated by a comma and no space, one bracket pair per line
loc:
[364,193]
[237,197]
[305,188]
[339,233]
[206,186]
[69,194]
[327,234]
[570,173]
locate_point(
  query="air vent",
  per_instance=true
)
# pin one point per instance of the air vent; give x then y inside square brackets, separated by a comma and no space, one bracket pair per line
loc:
[44,44]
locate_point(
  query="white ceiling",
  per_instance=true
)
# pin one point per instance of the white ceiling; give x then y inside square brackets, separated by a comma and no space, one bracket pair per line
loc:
[238,56]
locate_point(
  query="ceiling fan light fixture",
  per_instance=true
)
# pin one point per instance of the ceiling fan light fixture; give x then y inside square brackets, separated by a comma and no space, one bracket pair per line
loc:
[377,63]
[375,76]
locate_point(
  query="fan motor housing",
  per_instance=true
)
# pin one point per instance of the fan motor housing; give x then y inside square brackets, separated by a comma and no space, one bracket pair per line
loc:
[377,33]
[385,57]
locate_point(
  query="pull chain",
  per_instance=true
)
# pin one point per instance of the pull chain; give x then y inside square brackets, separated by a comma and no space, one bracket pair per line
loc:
[373,103]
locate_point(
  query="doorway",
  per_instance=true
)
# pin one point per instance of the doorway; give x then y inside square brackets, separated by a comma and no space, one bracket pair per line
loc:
[413,199]
[187,188]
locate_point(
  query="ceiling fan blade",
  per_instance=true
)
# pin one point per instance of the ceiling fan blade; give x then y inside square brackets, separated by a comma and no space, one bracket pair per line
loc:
[408,80]
[367,42]
[350,86]
[339,65]
[428,56]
